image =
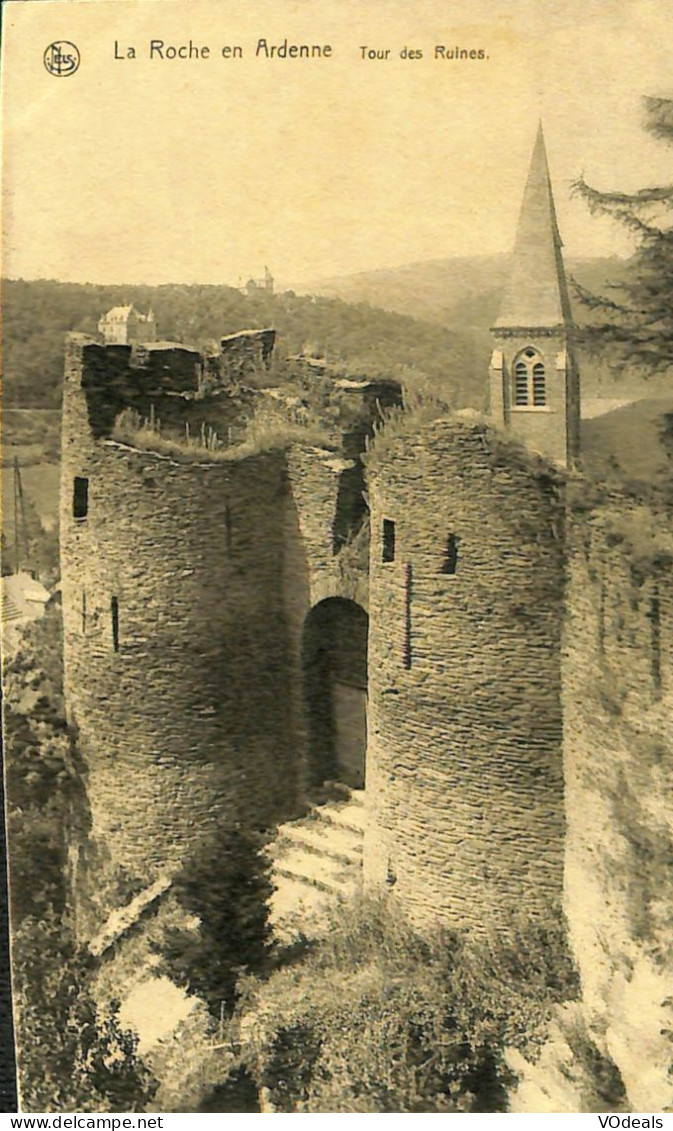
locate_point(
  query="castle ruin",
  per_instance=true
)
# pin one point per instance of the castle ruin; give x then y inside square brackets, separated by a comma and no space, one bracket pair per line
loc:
[483,647]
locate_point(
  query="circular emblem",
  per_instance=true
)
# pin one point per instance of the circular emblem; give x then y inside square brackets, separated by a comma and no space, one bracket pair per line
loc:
[61,58]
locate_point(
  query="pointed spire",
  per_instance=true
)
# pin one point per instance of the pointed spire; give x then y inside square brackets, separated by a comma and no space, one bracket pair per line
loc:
[536,294]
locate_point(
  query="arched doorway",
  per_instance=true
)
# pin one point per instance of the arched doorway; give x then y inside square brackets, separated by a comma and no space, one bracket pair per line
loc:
[334,658]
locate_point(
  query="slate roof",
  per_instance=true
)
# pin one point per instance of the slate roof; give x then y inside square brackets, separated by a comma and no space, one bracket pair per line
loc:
[536,293]
[23,598]
[118,314]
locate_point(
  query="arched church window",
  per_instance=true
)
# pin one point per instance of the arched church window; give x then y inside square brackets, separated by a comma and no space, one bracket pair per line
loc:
[520,383]
[530,386]
[539,389]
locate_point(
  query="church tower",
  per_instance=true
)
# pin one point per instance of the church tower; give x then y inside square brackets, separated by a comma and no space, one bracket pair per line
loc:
[534,381]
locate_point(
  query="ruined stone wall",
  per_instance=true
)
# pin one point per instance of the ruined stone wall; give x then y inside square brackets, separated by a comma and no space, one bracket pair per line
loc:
[316,480]
[618,709]
[166,385]
[312,571]
[176,642]
[247,352]
[464,776]
[326,531]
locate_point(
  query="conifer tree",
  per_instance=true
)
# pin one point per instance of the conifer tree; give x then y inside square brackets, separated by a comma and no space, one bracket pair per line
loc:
[633,322]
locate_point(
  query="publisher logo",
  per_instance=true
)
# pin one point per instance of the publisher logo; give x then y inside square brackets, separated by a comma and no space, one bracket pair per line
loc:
[61,58]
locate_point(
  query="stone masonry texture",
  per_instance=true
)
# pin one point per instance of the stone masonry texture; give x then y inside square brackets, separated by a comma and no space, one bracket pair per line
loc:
[187,586]
[182,721]
[617,699]
[464,770]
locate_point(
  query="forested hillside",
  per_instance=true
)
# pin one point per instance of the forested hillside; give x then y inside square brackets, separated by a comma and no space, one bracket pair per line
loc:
[421,322]
[434,332]
[463,294]
[365,339]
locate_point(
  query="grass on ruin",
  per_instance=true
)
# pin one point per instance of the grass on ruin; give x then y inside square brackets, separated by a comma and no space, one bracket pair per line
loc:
[375,1018]
[261,435]
[419,407]
[422,406]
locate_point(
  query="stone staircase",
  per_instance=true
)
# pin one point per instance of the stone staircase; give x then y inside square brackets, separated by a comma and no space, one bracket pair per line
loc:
[316,864]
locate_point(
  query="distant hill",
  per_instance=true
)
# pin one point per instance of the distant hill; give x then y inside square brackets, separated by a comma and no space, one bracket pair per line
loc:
[425,323]
[634,441]
[464,291]
[463,294]
[437,290]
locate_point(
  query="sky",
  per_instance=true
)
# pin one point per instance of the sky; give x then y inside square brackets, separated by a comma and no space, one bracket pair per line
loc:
[150,170]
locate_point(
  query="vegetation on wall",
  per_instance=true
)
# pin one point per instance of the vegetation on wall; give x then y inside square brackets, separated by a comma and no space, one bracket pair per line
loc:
[71,1054]
[418,408]
[262,433]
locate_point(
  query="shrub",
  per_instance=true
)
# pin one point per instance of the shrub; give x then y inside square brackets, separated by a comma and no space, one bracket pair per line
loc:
[376,1019]
[38,754]
[225,886]
[72,1055]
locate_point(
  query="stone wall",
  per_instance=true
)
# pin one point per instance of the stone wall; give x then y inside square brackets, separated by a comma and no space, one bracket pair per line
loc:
[618,709]
[316,482]
[187,582]
[315,571]
[246,353]
[464,770]
[176,643]
[168,385]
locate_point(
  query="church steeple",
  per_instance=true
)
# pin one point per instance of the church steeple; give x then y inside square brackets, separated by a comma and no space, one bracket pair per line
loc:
[536,293]
[534,379]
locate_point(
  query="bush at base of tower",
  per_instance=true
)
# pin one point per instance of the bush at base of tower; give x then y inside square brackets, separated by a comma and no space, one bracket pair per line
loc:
[72,1054]
[376,1019]
[226,886]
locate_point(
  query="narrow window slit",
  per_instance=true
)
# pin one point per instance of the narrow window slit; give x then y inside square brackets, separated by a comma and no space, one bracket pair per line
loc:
[388,540]
[114,612]
[655,640]
[450,559]
[80,497]
[408,587]
[83,611]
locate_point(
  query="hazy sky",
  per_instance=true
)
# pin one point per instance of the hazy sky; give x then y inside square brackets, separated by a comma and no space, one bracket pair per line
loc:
[204,170]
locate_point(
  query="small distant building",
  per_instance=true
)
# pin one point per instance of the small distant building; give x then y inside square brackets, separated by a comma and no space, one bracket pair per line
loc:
[23,599]
[124,325]
[264,284]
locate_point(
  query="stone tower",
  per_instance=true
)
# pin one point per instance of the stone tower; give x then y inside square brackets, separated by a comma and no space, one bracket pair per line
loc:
[175,640]
[464,777]
[534,381]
